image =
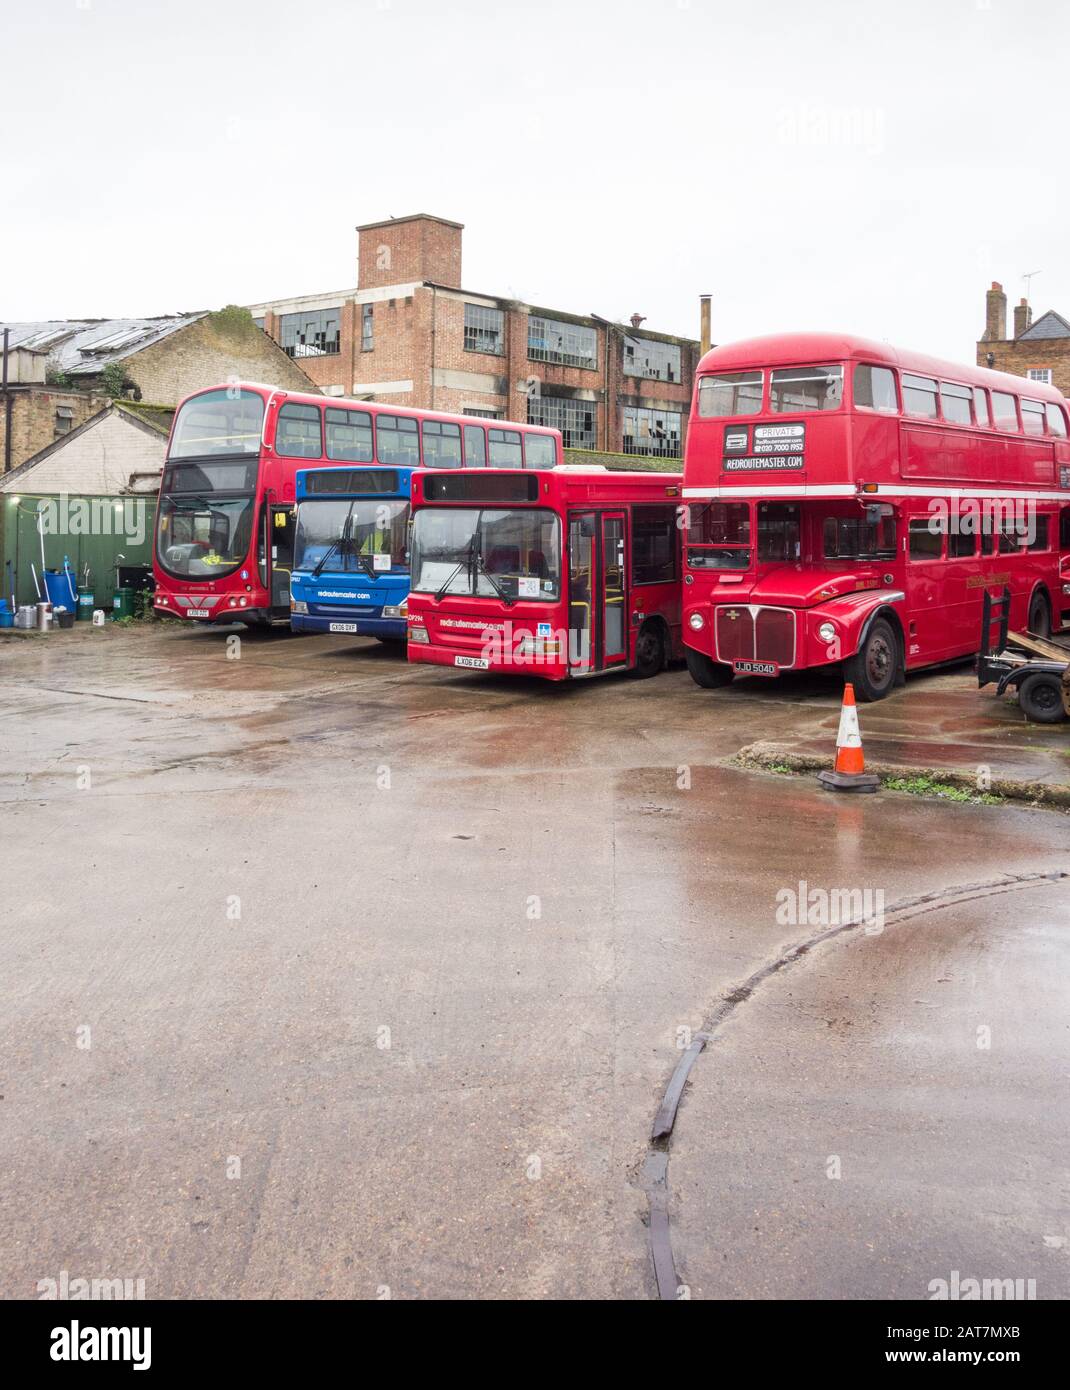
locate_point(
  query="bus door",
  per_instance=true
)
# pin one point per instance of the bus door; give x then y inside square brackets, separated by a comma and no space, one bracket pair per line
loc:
[282,558]
[614,643]
[581,591]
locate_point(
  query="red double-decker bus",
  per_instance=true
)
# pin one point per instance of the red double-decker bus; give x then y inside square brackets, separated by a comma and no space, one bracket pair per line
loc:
[849,503]
[566,574]
[224,523]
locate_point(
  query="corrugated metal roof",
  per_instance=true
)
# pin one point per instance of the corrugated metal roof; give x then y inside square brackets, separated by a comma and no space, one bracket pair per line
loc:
[81,347]
[1049,325]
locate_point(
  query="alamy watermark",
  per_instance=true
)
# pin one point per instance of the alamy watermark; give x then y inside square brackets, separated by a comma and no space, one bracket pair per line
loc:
[831,907]
[95,516]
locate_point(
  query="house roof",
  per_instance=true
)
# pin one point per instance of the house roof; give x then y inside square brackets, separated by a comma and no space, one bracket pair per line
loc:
[96,479]
[1049,325]
[83,347]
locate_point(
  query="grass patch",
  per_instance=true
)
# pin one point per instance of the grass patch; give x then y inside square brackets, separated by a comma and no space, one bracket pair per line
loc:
[929,786]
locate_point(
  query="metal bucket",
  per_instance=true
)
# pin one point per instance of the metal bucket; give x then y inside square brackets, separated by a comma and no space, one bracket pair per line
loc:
[44,617]
[26,617]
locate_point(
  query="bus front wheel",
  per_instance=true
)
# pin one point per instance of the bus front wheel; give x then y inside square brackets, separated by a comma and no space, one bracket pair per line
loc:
[872,668]
[711,675]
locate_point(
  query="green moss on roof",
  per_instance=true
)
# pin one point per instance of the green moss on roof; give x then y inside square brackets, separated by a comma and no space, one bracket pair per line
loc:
[159,417]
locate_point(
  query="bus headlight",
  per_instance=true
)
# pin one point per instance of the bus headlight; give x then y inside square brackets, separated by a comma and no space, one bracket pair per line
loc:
[827,632]
[298,605]
[418,634]
[392,610]
[696,621]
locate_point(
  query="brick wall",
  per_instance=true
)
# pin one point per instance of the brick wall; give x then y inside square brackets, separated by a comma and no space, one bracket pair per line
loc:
[211,351]
[33,419]
[1018,357]
[408,249]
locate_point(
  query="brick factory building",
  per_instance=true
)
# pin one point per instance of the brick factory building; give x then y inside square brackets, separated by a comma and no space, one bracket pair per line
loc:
[1038,351]
[410,334]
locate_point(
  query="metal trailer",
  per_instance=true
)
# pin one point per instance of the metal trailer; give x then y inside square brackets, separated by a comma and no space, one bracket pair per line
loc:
[1037,668]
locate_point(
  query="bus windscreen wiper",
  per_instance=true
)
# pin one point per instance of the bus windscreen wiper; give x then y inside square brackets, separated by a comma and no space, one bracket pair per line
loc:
[335,545]
[466,563]
[482,569]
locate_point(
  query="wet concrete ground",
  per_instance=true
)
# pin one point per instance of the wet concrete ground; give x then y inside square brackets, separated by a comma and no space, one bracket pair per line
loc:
[385,970]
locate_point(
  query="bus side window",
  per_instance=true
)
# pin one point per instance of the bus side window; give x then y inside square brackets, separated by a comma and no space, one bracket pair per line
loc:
[1032,416]
[475,446]
[961,543]
[1056,421]
[1039,540]
[297,435]
[874,388]
[980,406]
[442,444]
[1004,411]
[1064,529]
[397,440]
[539,451]
[955,403]
[919,396]
[505,449]
[926,543]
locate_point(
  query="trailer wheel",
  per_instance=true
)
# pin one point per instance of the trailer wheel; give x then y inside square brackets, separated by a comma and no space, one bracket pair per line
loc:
[1040,697]
[711,675]
[872,668]
[649,651]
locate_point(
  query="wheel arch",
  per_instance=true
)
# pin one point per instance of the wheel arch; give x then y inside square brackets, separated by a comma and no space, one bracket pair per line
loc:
[886,611]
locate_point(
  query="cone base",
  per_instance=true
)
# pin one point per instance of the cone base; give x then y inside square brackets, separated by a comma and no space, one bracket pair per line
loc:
[849,781]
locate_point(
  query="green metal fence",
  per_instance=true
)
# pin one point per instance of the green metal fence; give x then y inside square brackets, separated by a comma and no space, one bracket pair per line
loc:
[93,531]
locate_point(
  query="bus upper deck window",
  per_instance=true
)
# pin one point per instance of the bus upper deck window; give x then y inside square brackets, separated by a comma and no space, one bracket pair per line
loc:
[980,406]
[1004,412]
[442,444]
[875,388]
[729,393]
[1032,416]
[919,396]
[793,389]
[1056,421]
[539,451]
[955,403]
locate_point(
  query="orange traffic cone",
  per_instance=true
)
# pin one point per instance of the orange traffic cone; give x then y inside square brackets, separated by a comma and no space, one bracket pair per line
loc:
[849,773]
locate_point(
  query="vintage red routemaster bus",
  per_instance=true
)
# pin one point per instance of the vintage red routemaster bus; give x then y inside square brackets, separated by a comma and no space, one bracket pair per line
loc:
[849,503]
[562,574]
[224,524]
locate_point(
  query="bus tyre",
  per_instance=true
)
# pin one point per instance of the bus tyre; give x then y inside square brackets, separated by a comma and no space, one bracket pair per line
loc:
[873,667]
[1039,616]
[711,675]
[1040,697]
[649,651]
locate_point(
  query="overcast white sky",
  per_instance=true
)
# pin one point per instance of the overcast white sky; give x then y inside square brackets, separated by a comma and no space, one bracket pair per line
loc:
[820,164]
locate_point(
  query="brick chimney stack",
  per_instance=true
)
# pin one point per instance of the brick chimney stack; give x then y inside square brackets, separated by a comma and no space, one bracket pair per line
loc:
[1023,317]
[995,314]
[409,249]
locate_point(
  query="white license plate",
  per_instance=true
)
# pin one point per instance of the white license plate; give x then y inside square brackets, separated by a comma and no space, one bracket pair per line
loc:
[480,663]
[197,613]
[343,627]
[756,668]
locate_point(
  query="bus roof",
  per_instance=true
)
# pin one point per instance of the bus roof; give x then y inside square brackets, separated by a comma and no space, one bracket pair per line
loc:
[349,403]
[790,349]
